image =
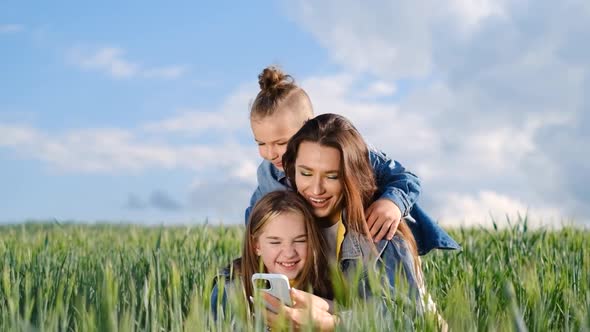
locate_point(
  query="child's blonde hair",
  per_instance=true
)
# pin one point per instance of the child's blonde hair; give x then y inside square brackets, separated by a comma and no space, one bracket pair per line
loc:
[278,92]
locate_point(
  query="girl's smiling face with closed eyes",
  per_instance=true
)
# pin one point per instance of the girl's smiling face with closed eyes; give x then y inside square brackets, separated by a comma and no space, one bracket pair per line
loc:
[282,245]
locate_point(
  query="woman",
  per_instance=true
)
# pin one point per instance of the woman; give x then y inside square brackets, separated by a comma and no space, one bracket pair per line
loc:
[327,162]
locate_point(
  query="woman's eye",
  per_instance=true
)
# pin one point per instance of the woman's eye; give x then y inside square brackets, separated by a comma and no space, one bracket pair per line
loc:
[275,243]
[305,174]
[301,241]
[332,177]
[282,143]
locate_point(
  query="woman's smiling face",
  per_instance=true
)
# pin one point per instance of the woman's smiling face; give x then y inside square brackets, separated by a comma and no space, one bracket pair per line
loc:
[317,177]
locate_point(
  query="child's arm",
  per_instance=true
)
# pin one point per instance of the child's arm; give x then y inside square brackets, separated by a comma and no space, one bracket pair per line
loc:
[399,190]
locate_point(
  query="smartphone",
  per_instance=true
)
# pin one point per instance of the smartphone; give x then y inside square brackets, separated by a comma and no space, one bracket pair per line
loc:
[275,284]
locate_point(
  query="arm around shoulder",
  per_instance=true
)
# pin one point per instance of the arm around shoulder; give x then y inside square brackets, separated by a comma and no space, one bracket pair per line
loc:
[394,181]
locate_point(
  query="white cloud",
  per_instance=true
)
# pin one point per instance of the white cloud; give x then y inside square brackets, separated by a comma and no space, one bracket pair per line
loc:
[189,121]
[379,121]
[112,61]
[11,28]
[109,59]
[115,150]
[14,135]
[371,36]
[171,72]
[245,171]
[379,89]
[472,12]
[486,207]
[500,106]
[230,118]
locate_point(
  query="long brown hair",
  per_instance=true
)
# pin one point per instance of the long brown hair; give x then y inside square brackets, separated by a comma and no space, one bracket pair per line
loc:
[314,274]
[278,91]
[358,181]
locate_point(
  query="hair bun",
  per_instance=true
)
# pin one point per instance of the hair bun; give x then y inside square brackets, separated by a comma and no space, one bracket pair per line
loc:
[272,78]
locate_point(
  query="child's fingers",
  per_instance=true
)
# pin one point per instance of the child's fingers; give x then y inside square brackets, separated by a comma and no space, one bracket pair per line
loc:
[272,301]
[377,225]
[393,229]
[384,230]
[270,318]
[371,217]
[274,320]
[298,297]
[302,300]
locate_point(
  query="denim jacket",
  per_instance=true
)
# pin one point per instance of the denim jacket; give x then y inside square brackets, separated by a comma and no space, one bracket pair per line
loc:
[356,252]
[229,286]
[393,182]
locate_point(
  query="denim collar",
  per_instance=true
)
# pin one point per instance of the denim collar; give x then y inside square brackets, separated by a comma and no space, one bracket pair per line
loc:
[277,173]
[358,246]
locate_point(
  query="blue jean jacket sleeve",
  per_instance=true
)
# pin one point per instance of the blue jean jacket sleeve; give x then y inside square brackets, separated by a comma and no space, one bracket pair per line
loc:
[256,196]
[394,182]
[427,233]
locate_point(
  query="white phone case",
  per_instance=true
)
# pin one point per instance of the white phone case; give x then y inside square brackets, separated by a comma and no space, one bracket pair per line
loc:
[279,286]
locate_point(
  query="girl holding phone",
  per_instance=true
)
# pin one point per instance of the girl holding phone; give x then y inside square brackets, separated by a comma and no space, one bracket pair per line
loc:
[281,237]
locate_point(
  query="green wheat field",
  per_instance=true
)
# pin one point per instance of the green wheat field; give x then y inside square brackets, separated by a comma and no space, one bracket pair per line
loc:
[83,277]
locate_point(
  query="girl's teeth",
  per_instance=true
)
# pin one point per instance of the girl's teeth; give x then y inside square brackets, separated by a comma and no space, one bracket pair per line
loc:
[317,200]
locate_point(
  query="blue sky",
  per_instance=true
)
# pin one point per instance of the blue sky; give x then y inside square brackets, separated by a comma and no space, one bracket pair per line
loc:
[139,112]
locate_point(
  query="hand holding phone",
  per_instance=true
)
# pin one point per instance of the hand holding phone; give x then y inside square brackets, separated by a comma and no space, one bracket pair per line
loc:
[274,284]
